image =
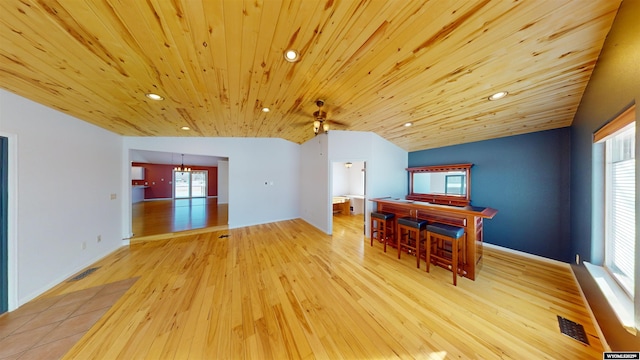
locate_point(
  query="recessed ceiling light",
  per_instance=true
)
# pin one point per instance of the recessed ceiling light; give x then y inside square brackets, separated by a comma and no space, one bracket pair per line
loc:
[408,124]
[291,55]
[265,109]
[153,96]
[185,128]
[498,95]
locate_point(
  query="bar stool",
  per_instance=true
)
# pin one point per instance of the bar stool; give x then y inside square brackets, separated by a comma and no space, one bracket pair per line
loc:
[412,230]
[382,228]
[446,247]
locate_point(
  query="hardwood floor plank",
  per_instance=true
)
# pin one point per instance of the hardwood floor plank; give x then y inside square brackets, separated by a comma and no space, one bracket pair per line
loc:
[161,219]
[287,290]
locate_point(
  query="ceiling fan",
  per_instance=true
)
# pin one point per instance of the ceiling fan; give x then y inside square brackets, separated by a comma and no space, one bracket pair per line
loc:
[320,122]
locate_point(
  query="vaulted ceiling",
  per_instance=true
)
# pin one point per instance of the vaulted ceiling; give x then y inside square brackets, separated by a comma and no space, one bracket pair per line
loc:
[377,64]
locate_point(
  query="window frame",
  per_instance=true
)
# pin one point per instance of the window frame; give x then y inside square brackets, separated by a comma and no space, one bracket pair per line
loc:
[610,265]
[626,306]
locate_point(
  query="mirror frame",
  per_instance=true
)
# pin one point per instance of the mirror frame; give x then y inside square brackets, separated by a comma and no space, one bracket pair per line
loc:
[462,200]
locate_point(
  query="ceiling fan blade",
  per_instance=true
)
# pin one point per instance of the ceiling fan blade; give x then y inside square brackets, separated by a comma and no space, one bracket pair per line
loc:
[301,112]
[338,123]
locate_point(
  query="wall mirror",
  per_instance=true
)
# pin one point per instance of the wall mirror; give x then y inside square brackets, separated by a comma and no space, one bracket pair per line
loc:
[441,184]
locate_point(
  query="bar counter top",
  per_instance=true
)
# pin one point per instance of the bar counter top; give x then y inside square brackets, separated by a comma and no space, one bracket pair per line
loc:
[484,212]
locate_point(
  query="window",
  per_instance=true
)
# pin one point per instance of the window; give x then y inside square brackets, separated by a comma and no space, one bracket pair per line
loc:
[620,220]
[454,184]
[189,184]
[615,146]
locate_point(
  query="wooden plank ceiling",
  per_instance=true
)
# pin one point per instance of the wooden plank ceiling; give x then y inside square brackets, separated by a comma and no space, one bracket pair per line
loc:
[377,64]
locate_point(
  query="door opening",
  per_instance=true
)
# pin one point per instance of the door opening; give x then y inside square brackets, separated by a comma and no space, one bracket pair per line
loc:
[348,180]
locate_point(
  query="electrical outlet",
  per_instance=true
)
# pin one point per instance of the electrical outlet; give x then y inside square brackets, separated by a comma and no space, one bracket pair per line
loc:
[113,196]
[99,238]
[84,245]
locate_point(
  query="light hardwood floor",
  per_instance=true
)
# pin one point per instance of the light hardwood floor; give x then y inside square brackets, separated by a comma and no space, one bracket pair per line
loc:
[164,218]
[286,290]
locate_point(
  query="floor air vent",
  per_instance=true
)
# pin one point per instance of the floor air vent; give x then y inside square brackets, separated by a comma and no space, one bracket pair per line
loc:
[83,274]
[572,329]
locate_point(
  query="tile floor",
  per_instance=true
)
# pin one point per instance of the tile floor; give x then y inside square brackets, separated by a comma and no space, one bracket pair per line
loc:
[47,328]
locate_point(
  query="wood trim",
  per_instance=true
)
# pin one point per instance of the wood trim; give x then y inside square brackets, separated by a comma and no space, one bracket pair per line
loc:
[440,168]
[622,120]
[444,199]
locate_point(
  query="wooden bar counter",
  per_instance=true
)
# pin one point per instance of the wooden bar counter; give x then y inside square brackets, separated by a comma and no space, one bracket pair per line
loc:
[468,217]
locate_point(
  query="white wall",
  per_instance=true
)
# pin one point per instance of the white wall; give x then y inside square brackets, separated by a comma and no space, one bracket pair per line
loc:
[67,170]
[315,203]
[223,182]
[340,179]
[263,174]
[347,181]
[386,174]
[355,176]
[386,164]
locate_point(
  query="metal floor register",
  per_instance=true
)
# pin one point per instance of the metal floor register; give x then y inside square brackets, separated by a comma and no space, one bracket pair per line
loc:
[572,329]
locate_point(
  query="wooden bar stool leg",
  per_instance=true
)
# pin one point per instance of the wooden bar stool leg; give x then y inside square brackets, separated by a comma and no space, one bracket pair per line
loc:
[388,234]
[427,244]
[418,249]
[446,248]
[406,227]
[377,229]
[454,260]
[399,243]
[384,239]
[381,227]
[373,229]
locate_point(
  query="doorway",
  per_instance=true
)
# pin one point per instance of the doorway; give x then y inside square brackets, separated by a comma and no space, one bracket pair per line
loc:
[349,180]
[190,184]
[4,229]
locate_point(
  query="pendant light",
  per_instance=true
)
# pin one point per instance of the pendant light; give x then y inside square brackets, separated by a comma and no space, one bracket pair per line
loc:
[181,168]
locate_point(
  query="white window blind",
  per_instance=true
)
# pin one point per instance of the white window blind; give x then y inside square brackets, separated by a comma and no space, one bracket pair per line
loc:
[620,207]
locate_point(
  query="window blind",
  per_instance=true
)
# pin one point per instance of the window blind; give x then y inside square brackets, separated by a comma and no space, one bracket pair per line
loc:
[620,242]
[622,229]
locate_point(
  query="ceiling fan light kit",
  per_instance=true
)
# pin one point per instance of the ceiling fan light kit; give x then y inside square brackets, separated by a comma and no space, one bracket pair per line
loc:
[320,117]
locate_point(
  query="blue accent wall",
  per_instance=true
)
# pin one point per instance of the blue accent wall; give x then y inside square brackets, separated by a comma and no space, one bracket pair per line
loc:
[526,178]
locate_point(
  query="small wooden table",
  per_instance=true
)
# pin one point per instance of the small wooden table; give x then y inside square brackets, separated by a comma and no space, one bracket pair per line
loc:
[342,204]
[468,217]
